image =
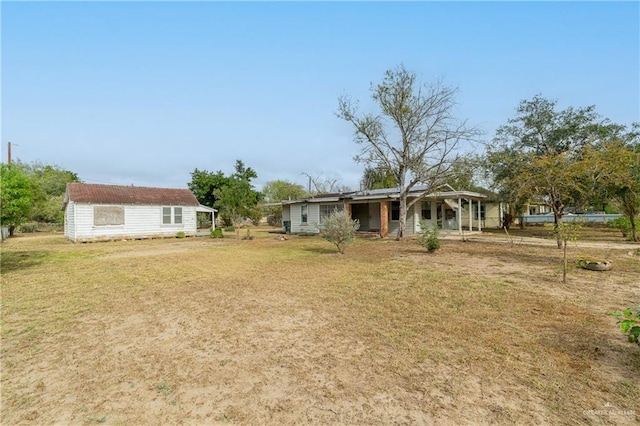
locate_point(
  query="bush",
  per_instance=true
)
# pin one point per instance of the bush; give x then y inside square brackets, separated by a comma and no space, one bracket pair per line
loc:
[428,237]
[27,228]
[624,225]
[229,229]
[340,229]
[630,323]
[216,233]
[180,234]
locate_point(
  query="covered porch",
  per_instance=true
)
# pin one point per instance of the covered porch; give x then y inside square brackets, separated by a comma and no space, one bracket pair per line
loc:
[205,220]
[451,212]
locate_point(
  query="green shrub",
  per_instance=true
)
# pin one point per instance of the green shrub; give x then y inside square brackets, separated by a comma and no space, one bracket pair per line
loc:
[216,233]
[624,225]
[630,323]
[180,234]
[248,236]
[229,229]
[340,229]
[428,237]
[27,228]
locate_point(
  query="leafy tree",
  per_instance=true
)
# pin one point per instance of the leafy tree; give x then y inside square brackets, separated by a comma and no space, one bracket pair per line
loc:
[204,185]
[16,196]
[415,133]
[379,177]
[614,168]
[280,190]
[237,198]
[538,153]
[465,173]
[340,229]
[501,165]
[49,186]
[51,179]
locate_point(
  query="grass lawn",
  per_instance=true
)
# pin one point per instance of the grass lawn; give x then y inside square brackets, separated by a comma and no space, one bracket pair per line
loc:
[202,331]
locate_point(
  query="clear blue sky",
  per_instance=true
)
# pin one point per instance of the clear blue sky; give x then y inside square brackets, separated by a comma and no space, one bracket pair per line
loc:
[142,93]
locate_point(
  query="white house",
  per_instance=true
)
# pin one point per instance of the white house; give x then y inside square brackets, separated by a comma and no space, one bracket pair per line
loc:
[378,210]
[103,212]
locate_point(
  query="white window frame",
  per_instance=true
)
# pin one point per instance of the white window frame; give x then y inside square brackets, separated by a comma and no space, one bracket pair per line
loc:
[331,208]
[304,214]
[172,215]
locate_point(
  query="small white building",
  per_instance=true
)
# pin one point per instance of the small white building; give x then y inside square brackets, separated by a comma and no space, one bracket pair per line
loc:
[104,212]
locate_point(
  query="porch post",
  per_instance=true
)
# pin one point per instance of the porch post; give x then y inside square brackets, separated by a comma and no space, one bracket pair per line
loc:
[384,219]
[347,208]
[459,215]
[479,217]
[470,215]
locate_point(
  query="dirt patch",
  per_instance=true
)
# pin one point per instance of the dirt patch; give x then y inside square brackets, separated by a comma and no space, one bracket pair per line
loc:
[267,332]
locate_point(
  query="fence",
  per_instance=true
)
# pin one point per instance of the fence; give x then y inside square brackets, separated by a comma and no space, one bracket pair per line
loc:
[586,218]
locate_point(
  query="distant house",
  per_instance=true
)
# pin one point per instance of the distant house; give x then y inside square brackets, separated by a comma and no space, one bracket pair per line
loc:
[103,212]
[378,210]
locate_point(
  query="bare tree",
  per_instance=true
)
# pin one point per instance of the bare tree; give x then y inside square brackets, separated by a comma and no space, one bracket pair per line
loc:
[415,135]
[323,185]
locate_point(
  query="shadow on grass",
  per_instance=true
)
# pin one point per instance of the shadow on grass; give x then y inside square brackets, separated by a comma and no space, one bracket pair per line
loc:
[18,260]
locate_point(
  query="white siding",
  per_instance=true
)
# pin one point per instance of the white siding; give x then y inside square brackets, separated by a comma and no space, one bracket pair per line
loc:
[394,225]
[286,213]
[492,214]
[313,219]
[433,223]
[139,222]
[69,220]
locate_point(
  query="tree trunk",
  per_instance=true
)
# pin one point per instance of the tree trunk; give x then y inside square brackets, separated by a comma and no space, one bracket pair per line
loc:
[564,269]
[402,228]
[11,229]
[632,220]
[557,220]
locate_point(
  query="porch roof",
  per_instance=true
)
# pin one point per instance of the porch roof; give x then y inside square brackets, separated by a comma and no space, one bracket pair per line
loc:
[387,194]
[205,209]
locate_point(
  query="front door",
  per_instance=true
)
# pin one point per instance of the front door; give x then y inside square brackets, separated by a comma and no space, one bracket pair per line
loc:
[374,216]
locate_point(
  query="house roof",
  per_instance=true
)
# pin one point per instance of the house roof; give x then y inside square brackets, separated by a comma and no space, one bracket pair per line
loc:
[117,194]
[387,194]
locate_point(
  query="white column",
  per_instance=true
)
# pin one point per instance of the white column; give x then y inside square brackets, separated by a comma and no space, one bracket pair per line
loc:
[434,214]
[459,215]
[479,217]
[470,215]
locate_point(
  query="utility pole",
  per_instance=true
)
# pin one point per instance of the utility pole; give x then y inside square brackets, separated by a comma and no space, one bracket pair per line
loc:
[9,153]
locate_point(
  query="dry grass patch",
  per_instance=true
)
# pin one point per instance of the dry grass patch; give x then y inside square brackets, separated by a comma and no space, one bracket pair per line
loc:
[267,331]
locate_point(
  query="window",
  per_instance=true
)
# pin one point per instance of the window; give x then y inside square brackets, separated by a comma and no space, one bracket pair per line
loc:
[166,215]
[172,215]
[482,212]
[395,210]
[327,209]
[426,210]
[303,214]
[108,215]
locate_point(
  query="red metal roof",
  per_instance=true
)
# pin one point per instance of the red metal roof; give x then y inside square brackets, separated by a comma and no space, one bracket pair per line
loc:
[116,194]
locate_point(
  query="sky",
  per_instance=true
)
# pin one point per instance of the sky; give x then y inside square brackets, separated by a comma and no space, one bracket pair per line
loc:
[143,93]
